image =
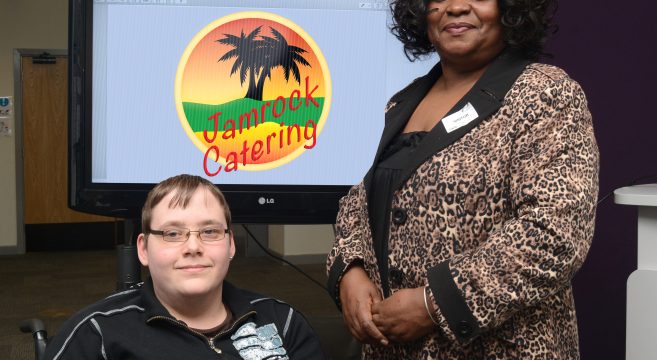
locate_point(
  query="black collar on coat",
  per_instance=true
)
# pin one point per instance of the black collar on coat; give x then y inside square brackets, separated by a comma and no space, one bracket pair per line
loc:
[486,96]
[237,300]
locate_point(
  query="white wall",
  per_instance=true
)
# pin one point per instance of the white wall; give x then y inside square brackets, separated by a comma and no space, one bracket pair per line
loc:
[294,240]
[24,24]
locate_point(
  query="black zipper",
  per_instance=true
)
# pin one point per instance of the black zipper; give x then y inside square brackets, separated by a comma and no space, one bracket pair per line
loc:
[235,323]
[211,340]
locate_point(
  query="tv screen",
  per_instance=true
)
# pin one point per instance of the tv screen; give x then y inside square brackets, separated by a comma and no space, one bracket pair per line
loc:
[279,103]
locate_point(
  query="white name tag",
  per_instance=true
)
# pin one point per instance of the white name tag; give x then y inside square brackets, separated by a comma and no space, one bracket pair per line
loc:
[460,118]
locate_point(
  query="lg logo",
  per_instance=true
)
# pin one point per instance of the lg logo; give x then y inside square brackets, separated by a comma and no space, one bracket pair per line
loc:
[263,201]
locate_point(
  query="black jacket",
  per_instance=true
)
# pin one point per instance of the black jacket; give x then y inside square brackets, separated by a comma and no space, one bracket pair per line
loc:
[134,325]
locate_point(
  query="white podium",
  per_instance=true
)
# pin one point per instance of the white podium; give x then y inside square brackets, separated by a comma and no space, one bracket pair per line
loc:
[641,332]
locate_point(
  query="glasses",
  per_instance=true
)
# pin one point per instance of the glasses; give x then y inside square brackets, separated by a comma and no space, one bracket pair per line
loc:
[180,235]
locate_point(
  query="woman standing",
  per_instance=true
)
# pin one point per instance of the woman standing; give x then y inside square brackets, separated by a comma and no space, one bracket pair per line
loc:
[462,239]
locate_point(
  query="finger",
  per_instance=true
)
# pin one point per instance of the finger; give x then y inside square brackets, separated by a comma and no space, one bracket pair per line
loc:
[381,323]
[362,321]
[353,325]
[356,333]
[374,333]
[375,295]
[376,308]
[369,328]
[382,326]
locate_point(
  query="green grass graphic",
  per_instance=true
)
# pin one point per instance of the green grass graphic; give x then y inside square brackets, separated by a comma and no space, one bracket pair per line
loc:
[198,114]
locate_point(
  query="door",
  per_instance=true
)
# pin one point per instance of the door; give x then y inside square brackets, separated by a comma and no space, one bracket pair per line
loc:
[45,138]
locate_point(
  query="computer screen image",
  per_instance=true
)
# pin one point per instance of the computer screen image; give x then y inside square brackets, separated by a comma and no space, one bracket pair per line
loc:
[281,104]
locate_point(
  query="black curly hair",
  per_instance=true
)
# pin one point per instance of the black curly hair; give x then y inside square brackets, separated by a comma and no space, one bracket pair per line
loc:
[526,24]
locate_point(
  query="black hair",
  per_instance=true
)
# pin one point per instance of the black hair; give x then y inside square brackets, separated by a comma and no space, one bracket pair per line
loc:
[526,24]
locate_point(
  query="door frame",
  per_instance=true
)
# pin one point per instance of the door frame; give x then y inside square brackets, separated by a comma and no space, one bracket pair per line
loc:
[18,131]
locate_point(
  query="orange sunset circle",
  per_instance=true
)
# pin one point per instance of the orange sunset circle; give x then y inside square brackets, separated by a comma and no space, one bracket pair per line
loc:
[252,92]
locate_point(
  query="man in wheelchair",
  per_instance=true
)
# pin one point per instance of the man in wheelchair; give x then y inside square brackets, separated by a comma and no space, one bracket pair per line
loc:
[186,310]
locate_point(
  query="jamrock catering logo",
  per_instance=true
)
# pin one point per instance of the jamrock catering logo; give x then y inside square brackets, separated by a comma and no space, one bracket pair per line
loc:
[252,92]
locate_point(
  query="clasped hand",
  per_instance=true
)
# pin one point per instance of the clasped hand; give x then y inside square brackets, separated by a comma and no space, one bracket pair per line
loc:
[399,318]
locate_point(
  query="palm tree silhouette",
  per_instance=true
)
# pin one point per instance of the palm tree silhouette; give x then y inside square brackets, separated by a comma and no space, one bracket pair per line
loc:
[280,53]
[259,56]
[244,53]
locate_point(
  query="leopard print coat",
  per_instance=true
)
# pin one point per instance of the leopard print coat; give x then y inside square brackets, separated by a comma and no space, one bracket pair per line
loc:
[496,218]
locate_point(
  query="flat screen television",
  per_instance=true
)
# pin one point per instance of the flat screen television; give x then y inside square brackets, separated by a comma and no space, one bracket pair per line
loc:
[280,103]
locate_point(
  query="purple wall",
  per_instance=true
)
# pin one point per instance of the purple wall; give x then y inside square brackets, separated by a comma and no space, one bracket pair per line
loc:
[610,51]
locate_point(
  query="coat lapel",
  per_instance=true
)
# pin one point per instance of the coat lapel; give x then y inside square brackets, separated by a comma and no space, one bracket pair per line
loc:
[486,96]
[404,104]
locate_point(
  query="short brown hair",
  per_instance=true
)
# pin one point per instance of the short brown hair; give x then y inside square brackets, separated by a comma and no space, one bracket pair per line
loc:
[184,187]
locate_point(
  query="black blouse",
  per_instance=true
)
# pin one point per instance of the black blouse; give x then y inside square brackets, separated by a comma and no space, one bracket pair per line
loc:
[394,159]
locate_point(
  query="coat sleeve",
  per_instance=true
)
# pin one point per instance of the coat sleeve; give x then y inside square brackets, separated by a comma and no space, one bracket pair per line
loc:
[351,230]
[553,190]
[81,340]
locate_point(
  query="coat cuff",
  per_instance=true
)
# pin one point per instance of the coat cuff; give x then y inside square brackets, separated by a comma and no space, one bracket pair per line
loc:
[460,324]
[335,273]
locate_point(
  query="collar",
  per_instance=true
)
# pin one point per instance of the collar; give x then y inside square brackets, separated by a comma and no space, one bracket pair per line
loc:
[486,96]
[238,302]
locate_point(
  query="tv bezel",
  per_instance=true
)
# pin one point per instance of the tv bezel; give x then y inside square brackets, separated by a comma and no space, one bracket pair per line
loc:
[265,204]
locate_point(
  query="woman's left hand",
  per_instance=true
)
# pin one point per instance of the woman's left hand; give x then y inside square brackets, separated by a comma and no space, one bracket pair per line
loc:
[403,317]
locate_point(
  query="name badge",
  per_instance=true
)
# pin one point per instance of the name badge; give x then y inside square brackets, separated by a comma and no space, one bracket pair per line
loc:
[460,118]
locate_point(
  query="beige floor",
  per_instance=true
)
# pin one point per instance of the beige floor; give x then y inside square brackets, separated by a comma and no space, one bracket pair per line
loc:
[52,286]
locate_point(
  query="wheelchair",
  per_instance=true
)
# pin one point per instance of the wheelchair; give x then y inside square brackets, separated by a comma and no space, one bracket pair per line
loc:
[128,273]
[38,331]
